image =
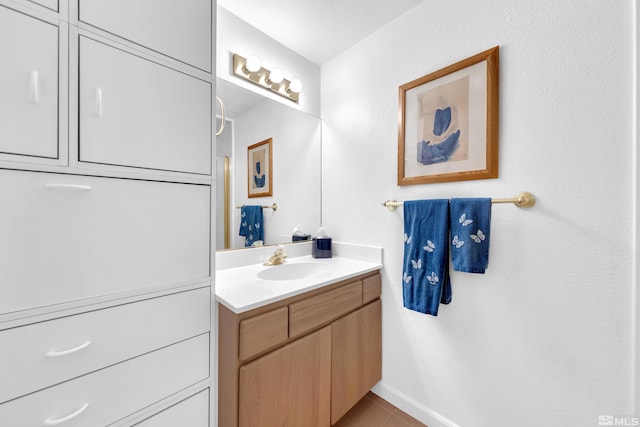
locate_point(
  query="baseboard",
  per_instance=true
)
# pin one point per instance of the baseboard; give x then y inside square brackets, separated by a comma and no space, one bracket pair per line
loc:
[418,411]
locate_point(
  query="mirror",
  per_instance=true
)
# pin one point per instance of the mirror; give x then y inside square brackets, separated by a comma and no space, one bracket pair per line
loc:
[296,151]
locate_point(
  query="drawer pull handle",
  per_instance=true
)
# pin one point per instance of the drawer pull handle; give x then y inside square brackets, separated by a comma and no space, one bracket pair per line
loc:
[69,187]
[56,421]
[35,87]
[99,101]
[55,353]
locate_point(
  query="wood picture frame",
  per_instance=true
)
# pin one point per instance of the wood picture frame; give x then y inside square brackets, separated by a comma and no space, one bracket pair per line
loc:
[260,169]
[448,123]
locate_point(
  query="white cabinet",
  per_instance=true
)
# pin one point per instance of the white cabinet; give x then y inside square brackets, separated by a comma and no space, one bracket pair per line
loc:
[43,354]
[135,112]
[105,212]
[179,29]
[28,85]
[105,396]
[68,237]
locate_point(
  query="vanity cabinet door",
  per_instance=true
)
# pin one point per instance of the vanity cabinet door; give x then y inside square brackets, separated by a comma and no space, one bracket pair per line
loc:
[289,386]
[135,112]
[28,85]
[356,357]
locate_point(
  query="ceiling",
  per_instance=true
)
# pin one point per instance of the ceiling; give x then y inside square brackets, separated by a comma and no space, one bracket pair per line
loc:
[318,30]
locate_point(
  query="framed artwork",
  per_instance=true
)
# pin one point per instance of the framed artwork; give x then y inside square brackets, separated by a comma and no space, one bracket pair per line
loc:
[260,168]
[448,123]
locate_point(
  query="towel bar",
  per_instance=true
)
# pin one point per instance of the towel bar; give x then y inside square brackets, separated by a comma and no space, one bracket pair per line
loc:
[521,200]
[273,206]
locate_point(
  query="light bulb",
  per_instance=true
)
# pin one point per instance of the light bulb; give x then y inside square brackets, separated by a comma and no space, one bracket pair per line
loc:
[295,86]
[276,76]
[253,64]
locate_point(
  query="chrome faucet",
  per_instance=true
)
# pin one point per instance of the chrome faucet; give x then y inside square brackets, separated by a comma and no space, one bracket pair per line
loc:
[278,257]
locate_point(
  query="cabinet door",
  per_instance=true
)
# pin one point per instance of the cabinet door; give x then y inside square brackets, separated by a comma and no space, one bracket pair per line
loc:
[68,238]
[179,29]
[290,386]
[356,357]
[28,85]
[134,112]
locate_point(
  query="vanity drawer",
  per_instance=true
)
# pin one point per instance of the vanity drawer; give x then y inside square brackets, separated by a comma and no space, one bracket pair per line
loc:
[314,311]
[371,288]
[134,112]
[110,394]
[67,238]
[262,332]
[182,30]
[47,353]
[191,412]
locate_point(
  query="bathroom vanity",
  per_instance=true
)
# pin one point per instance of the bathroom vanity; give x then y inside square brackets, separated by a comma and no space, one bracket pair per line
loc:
[304,357]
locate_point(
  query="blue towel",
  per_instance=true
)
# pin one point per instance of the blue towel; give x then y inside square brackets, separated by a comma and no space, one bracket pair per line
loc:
[470,229]
[251,226]
[425,272]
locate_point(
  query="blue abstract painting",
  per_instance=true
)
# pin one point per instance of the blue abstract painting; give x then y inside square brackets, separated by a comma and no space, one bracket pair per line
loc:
[442,123]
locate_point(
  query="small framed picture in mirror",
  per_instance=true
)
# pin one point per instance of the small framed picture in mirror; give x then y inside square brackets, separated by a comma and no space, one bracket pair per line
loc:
[260,168]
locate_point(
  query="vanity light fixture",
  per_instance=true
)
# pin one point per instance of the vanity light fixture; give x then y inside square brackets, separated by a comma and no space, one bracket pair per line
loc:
[295,86]
[252,64]
[251,69]
[275,77]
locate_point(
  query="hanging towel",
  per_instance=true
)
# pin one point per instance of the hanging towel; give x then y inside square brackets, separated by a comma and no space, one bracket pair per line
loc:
[425,272]
[470,229]
[251,226]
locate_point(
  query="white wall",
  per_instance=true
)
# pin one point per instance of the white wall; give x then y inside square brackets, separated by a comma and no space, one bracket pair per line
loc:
[236,36]
[545,337]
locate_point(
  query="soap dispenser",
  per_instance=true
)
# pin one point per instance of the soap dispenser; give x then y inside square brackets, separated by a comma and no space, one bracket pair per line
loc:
[321,245]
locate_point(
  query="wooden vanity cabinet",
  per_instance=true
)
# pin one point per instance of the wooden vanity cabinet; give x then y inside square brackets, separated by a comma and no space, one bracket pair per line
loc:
[356,357]
[289,386]
[303,361]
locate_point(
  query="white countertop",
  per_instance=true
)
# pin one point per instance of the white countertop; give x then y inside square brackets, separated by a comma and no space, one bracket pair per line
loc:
[240,289]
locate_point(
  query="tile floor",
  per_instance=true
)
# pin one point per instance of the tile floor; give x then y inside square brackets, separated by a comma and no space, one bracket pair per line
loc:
[373,411]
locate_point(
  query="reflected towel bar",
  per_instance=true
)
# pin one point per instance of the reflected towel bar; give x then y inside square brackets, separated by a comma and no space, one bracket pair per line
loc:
[521,200]
[273,206]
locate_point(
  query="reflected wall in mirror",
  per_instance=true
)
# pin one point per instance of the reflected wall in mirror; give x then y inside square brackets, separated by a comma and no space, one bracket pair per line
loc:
[296,136]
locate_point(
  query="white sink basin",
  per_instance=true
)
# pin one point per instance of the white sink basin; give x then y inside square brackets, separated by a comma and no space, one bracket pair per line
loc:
[300,270]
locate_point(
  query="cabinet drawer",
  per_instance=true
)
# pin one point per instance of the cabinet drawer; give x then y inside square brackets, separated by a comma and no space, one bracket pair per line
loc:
[191,412]
[314,311]
[67,238]
[43,354]
[262,332]
[29,85]
[371,288]
[110,394]
[134,112]
[181,30]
